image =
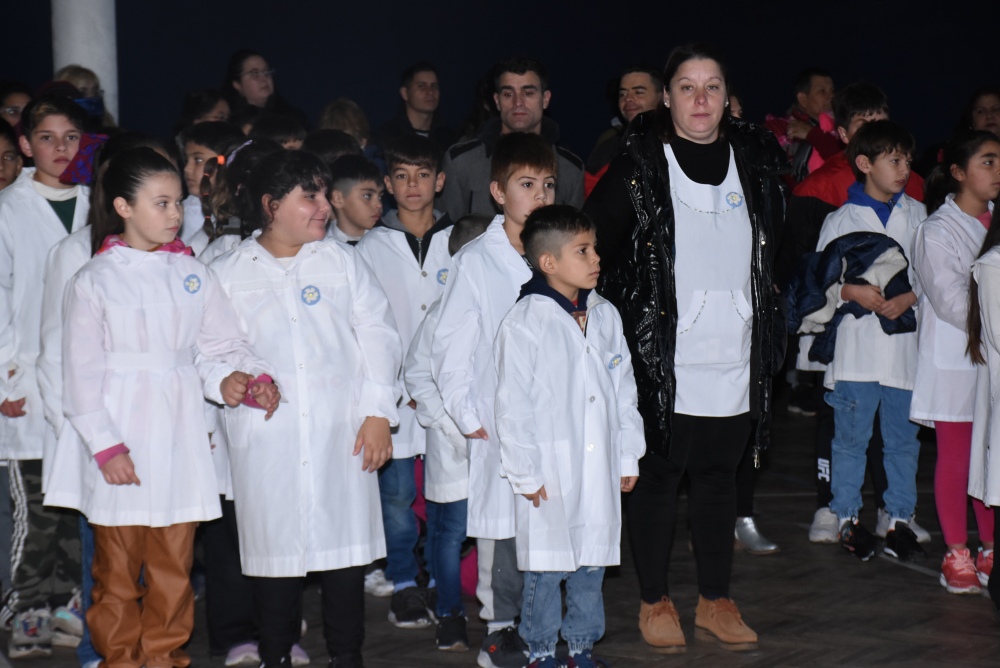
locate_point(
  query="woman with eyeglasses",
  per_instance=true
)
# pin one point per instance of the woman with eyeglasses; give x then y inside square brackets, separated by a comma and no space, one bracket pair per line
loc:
[250,83]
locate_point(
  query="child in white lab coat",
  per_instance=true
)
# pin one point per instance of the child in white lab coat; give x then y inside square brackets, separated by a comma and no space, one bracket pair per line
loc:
[570,433]
[484,284]
[306,495]
[150,332]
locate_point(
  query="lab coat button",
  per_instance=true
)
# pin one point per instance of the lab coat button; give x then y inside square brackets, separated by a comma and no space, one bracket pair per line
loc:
[423,273]
[588,350]
[590,447]
[294,319]
[593,399]
[423,307]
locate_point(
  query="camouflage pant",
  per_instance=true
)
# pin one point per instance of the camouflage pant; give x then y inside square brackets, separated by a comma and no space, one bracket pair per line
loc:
[45,551]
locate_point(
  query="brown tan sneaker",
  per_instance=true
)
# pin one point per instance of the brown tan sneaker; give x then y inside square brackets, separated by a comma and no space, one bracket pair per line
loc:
[660,626]
[720,620]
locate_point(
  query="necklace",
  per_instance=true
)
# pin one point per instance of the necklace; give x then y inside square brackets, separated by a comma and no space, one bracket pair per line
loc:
[734,199]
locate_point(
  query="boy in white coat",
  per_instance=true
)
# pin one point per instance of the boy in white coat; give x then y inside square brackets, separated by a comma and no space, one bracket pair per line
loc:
[408,253]
[570,433]
[485,282]
[36,212]
[872,370]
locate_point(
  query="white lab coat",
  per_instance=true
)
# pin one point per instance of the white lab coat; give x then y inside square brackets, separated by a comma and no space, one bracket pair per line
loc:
[411,289]
[323,323]
[864,353]
[149,335]
[984,460]
[446,462]
[29,228]
[567,419]
[64,260]
[193,229]
[944,248]
[484,284]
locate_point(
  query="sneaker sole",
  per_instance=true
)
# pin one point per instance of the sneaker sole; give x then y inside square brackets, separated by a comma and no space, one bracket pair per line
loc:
[62,639]
[958,590]
[29,652]
[455,647]
[823,540]
[667,649]
[804,412]
[706,635]
[416,624]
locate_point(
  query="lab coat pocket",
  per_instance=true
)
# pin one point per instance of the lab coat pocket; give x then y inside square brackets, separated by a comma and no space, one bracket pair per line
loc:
[715,329]
[949,348]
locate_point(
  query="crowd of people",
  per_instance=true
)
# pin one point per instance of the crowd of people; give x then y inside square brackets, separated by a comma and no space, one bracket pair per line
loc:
[426,363]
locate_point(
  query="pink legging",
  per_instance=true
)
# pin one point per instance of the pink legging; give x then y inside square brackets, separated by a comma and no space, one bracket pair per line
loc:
[951,485]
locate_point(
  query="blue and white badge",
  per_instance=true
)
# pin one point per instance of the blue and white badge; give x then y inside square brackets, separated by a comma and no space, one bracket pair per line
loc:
[442,276]
[734,200]
[192,283]
[310,295]
[615,361]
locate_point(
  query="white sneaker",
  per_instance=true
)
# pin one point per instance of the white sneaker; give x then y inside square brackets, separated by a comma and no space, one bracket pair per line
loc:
[244,654]
[299,656]
[884,520]
[376,584]
[67,622]
[825,527]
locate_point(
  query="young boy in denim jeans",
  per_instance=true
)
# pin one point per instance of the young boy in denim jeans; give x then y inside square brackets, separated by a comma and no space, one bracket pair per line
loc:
[872,370]
[570,433]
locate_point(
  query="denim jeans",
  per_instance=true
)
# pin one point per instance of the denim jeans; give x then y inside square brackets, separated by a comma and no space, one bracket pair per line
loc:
[398,490]
[85,652]
[854,406]
[541,612]
[443,550]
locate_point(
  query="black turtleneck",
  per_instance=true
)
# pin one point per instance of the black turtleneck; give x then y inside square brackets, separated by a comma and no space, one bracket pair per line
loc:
[707,164]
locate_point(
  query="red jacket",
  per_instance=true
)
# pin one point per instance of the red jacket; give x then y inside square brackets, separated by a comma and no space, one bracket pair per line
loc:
[830,182]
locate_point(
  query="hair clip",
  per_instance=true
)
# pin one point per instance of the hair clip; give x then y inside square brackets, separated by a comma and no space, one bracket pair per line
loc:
[221,159]
[239,148]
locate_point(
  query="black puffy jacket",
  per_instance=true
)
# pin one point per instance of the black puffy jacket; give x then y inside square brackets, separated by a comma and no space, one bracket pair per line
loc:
[635,234]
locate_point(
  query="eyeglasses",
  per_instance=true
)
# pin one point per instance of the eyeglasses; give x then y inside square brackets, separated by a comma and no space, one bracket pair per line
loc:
[259,74]
[11,111]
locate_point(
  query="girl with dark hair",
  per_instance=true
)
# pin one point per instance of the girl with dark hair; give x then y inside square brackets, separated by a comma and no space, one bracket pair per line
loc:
[944,248]
[685,220]
[135,458]
[325,322]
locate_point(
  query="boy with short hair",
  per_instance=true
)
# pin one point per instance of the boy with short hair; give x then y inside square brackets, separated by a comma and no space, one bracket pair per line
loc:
[872,370]
[408,253]
[36,212]
[356,198]
[201,144]
[486,281]
[570,433]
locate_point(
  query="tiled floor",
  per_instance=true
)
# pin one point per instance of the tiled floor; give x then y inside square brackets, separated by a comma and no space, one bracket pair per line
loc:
[812,605]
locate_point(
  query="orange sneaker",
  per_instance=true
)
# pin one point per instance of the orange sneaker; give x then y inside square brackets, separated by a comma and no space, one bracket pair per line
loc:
[984,566]
[958,573]
[660,626]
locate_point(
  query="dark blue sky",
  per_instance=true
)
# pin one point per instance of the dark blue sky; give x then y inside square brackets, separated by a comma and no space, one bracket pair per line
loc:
[928,64]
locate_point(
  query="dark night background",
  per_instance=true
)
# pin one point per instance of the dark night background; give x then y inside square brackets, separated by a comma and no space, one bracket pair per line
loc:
[928,57]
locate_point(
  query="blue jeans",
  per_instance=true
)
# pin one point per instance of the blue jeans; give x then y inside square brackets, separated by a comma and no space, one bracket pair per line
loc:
[443,550]
[85,652]
[541,611]
[398,490]
[854,406]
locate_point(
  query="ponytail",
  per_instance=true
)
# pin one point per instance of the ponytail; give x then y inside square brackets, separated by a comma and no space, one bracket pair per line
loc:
[974,324]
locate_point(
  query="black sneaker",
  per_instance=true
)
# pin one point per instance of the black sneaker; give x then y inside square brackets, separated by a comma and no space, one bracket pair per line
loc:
[451,635]
[408,609]
[858,540]
[503,649]
[901,542]
[430,602]
[347,660]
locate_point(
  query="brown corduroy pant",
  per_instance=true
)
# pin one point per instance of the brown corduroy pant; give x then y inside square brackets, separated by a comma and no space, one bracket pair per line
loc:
[142,624]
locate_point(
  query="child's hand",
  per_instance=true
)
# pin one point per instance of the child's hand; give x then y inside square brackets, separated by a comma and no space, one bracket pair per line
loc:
[412,403]
[268,396]
[628,482]
[376,440]
[538,496]
[479,433]
[119,470]
[895,307]
[13,409]
[868,296]
[234,387]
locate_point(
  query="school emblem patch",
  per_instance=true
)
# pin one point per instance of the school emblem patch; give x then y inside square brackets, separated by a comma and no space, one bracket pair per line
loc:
[615,361]
[192,283]
[734,199]
[310,295]
[442,276]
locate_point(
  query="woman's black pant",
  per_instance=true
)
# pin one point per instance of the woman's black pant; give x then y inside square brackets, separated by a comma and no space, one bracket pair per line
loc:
[708,451]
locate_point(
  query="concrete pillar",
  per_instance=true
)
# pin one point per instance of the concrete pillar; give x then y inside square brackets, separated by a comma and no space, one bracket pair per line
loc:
[83,33]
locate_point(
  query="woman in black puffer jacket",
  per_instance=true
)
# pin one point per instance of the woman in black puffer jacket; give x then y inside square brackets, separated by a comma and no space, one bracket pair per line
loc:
[687,218]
